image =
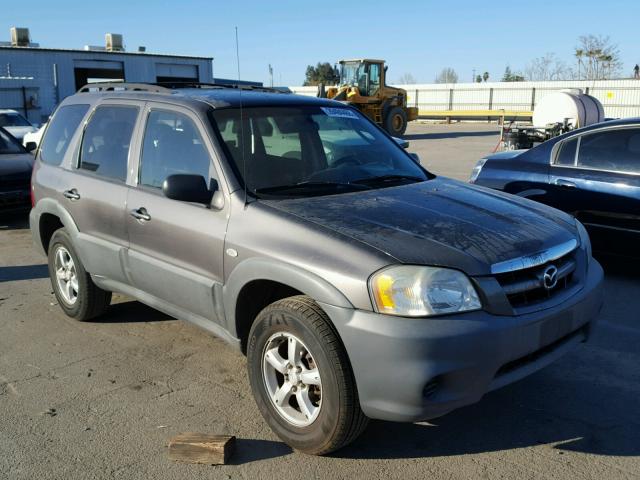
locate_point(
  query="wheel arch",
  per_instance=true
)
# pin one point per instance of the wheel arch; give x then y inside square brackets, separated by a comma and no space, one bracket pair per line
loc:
[47,217]
[257,282]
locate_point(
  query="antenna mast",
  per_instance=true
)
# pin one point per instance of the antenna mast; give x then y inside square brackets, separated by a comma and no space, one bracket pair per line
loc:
[244,159]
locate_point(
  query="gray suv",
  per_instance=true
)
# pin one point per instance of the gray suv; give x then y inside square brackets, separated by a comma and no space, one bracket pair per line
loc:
[358,284]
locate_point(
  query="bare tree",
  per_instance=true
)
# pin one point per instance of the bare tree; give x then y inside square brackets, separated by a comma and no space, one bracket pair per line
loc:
[407,79]
[447,75]
[602,57]
[547,67]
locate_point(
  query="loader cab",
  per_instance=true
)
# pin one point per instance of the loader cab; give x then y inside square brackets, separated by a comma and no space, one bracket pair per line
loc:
[367,75]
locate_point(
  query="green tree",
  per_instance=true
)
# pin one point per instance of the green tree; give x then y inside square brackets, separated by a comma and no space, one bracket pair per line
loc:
[478,78]
[322,73]
[509,76]
[485,76]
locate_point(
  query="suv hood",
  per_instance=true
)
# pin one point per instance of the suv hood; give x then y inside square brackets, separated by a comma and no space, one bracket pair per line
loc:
[439,222]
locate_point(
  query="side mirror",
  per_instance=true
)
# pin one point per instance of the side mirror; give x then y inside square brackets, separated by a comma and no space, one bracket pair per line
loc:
[401,142]
[415,158]
[30,146]
[188,188]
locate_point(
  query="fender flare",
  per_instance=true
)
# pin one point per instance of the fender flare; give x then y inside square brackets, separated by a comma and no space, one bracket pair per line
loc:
[257,268]
[52,207]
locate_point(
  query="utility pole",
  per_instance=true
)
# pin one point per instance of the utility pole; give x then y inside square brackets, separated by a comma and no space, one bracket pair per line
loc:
[271,74]
[473,76]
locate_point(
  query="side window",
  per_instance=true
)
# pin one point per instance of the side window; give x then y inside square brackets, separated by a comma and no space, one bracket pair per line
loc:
[616,150]
[172,144]
[59,133]
[105,144]
[374,78]
[566,155]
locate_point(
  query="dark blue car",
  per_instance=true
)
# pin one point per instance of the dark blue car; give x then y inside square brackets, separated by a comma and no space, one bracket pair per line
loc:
[592,173]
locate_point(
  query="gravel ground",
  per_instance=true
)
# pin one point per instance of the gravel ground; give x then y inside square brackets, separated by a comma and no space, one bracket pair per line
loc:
[101,399]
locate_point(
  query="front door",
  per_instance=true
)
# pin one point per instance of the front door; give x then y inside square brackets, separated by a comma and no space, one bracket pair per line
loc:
[176,248]
[601,187]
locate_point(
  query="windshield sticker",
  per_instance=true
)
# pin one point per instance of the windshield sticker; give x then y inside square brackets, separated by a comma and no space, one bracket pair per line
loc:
[339,112]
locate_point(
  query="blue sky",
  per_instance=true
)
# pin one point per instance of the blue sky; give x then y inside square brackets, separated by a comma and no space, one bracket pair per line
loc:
[417,37]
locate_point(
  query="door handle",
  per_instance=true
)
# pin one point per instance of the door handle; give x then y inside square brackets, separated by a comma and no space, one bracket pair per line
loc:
[71,194]
[141,214]
[564,183]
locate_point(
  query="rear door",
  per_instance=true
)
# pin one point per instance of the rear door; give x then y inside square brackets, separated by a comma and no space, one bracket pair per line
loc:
[601,185]
[176,248]
[95,193]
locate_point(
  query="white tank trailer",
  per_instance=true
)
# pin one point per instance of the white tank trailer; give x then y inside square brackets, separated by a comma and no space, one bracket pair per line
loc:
[555,114]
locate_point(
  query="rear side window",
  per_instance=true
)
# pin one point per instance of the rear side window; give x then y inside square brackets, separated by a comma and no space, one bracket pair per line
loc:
[59,133]
[613,150]
[105,144]
[172,145]
[566,157]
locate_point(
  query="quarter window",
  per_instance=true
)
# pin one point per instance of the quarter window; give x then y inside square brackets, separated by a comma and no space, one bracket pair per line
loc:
[567,154]
[58,135]
[615,150]
[105,145]
[172,145]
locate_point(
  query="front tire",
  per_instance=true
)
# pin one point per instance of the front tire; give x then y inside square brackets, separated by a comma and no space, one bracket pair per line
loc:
[301,377]
[395,122]
[76,293]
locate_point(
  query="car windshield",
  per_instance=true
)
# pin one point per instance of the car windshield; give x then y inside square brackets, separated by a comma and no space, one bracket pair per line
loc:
[311,150]
[13,119]
[8,144]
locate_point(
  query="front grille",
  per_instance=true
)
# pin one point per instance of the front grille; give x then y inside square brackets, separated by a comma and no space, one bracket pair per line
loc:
[526,287]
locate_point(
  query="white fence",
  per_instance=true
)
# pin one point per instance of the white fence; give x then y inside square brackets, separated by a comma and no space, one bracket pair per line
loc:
[620,98]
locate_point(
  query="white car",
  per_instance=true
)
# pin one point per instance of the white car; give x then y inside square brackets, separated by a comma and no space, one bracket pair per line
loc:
[15,124]
[34,137]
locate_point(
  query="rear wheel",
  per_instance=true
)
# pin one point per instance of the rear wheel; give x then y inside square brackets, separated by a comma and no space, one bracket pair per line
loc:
[301,377]
[395,122]
[76,293]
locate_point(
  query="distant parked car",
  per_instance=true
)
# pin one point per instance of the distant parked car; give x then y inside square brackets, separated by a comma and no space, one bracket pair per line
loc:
[15,174]
[592,173]
[15,124]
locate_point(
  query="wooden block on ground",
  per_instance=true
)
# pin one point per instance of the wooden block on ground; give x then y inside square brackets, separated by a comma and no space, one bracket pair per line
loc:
[201,448]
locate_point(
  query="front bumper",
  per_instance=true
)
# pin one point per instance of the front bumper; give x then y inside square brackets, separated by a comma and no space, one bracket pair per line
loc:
[415,369]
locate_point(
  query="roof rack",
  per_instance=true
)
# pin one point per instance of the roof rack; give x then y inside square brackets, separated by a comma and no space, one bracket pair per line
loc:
[167,87]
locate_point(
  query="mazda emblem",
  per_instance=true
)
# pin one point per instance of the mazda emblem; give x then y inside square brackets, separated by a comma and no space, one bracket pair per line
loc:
[550,277]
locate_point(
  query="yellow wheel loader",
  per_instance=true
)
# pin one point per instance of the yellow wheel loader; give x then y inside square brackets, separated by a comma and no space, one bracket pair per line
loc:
[362,84]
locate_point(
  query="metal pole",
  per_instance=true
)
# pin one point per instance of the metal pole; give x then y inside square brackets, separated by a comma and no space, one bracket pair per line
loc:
[533,98]
[24,102]
[56,88]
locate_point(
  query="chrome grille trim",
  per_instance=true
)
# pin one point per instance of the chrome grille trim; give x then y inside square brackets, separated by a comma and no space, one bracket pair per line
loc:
[526,285]
[536,259]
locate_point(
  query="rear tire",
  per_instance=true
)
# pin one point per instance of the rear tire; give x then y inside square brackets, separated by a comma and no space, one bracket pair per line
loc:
[395,122]
[334,416]
[76,293]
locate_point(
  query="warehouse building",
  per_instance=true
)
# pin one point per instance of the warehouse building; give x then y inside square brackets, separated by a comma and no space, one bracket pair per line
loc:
[34,79]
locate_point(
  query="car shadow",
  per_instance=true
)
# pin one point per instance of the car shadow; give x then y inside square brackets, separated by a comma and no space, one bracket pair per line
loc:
[444,135]
[253,450]
[14,221]
[23,272]
[131,312]
[586,418]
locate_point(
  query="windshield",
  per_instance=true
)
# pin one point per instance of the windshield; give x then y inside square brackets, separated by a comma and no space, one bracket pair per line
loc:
[8,144]
[309,150]
[352,73]
[13,120]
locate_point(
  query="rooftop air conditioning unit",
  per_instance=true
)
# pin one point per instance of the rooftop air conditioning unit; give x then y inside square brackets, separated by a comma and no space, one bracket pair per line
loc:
[114,42]
[20,37]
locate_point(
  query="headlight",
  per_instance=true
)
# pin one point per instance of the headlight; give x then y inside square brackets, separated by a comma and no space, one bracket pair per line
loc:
[414,291]
[585,241]
[477,169]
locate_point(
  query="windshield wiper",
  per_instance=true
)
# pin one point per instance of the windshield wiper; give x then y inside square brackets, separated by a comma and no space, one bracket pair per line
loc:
[387,179]
[312,185]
